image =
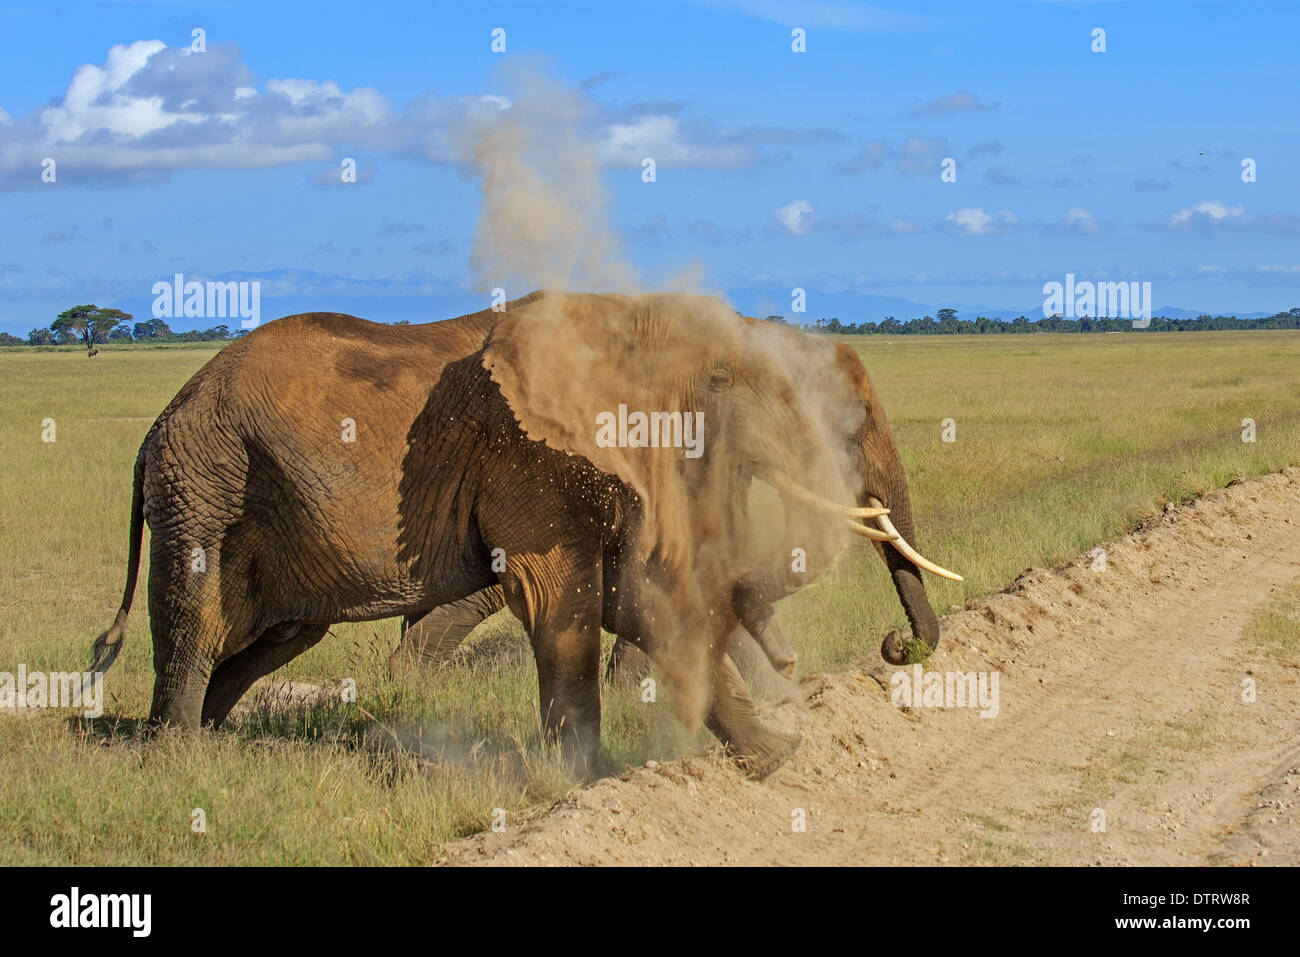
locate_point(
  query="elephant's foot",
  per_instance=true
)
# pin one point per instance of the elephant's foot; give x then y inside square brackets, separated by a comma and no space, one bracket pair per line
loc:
[581,757]
[432,638]
[758,748]
[402,662]
[410,658]
[234,676]
[766,752]
[577,741]
[566,648]
[178,708]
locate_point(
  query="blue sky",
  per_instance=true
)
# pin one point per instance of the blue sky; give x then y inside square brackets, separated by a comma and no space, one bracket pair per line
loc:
[775,169]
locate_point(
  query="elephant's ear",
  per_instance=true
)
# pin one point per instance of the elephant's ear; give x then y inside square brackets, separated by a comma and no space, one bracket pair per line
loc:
[565,363]
[560,362]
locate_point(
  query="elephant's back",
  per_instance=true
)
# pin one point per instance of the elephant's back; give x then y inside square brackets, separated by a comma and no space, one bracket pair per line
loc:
[303,409]
[311,371]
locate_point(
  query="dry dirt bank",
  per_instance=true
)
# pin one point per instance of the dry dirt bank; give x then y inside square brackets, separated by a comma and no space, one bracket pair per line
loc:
[1118,690]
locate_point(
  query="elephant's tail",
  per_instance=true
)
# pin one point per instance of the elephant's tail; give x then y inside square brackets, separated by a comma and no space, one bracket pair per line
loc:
[109,643]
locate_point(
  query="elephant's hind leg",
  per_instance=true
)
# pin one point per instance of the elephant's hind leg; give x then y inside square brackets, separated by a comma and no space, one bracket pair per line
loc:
[234,676]
[433,638]
[627,664]
[189,630]
[198,612]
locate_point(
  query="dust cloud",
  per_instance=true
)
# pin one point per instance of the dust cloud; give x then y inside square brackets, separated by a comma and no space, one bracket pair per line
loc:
[542,220]
[767,393]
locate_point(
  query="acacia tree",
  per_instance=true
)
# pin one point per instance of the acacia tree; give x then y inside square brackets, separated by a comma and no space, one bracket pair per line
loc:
[152,329]
[88,323]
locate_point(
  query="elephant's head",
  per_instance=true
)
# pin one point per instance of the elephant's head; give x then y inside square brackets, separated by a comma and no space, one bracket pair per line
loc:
[880,480]
[840,397]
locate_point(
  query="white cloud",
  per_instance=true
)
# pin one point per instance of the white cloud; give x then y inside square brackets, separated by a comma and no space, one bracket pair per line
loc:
[958,102]
[914,156]
[856,226]
[1210,211]
[661,138]
[150,109]
[1079,220]
[95,99]
[872,156]
[1213,214]
[797,217]
[919,154]
[975,221]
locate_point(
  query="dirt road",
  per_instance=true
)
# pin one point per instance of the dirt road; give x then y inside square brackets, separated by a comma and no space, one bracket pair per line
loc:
[1120,692]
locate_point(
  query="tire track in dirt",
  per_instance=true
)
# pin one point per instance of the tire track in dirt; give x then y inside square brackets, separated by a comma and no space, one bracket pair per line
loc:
[1120,691]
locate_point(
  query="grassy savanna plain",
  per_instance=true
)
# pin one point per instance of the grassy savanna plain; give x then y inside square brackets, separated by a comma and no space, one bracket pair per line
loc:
[1061,442]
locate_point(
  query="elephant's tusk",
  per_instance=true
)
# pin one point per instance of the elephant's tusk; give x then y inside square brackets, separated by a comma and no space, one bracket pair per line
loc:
[784,483]
[910,553]
[875,534]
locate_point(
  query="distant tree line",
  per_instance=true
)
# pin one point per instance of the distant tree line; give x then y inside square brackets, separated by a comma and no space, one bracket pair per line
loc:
[946,323]
[89,325]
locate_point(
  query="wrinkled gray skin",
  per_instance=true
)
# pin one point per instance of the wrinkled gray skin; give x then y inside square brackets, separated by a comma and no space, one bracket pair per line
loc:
[301,527]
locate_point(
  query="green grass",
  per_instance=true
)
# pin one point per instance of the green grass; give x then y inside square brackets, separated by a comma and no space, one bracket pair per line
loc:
[1275,628]
[1061,443]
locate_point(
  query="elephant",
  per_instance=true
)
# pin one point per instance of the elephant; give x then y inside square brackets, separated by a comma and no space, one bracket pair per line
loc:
[325,468]
[877,467]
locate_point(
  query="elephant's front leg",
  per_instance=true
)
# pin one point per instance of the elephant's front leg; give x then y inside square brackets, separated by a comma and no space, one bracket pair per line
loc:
[759,618]
[567,649]
[758,747]
[563,624]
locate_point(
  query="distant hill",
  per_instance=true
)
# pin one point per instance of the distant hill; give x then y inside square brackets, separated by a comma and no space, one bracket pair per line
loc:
[859,307]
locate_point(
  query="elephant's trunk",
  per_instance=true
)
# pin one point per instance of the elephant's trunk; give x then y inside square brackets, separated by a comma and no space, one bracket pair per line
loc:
[907,582]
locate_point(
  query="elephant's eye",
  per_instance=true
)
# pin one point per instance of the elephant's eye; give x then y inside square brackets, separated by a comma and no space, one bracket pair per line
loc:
[721,379]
